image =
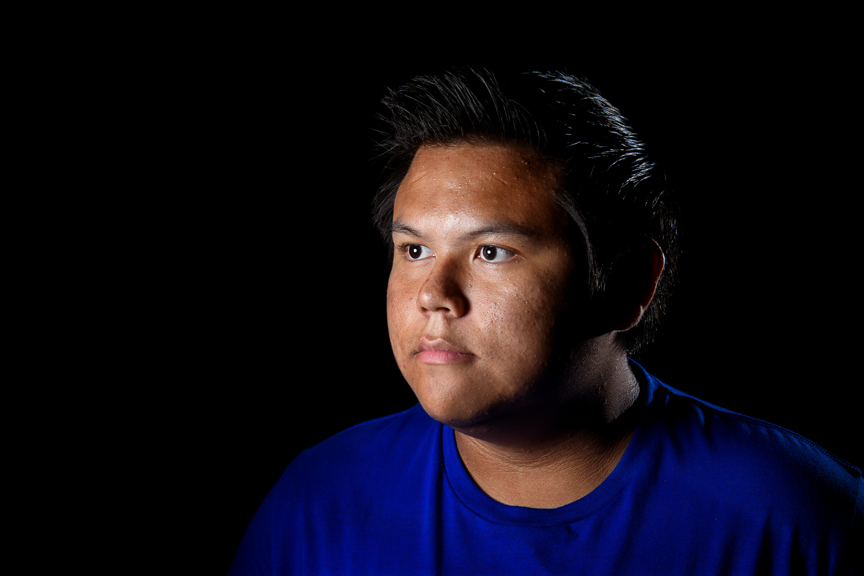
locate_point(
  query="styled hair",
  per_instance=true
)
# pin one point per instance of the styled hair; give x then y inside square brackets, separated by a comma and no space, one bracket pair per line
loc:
[616,197]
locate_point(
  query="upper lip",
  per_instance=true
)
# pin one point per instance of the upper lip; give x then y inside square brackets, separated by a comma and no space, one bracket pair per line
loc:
[438,344]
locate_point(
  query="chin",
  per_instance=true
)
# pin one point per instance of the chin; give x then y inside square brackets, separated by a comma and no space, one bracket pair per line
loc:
[447,409]
[458,420]
[465,414]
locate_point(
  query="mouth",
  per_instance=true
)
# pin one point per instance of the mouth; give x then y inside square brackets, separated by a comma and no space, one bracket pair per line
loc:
[439,351]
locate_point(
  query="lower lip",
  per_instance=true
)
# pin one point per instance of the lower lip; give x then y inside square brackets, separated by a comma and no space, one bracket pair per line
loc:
[442,356]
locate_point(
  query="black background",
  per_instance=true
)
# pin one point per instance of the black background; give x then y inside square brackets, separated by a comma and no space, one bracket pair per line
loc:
[252,310]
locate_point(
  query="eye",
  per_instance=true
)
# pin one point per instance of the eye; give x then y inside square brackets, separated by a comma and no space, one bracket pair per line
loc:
[416,251]
[494,254]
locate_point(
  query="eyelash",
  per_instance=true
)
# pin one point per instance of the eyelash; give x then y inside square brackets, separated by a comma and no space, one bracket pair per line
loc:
[404,248]
[497,249]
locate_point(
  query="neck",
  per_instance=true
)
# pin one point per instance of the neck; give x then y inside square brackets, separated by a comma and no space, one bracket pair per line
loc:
[559,456]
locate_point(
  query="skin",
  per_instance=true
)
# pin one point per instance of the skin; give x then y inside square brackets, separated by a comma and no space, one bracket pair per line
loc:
[483,331]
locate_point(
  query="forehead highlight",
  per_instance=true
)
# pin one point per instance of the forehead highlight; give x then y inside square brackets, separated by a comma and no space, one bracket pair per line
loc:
[504,228]
[506,183]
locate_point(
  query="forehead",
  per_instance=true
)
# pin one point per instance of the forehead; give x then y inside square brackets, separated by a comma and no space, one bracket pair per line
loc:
[458,184]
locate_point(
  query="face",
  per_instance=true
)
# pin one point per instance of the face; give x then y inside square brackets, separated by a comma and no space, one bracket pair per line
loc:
[480,275]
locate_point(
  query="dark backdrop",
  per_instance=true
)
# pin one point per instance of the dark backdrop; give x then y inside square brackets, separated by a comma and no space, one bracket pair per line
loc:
[264,318]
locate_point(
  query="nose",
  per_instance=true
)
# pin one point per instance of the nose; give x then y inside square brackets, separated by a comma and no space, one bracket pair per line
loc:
[443,290]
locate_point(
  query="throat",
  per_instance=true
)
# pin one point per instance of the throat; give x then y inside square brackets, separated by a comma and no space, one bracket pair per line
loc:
[550,476]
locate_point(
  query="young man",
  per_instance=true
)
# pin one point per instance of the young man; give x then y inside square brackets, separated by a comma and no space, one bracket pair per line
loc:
[533,248]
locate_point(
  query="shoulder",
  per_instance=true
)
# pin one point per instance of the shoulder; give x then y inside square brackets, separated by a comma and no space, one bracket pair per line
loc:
[358,454]
[347,485]
[373,438]
[740,490]
[732,455]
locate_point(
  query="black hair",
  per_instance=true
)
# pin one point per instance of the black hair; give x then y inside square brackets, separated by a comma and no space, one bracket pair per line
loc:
[616,196]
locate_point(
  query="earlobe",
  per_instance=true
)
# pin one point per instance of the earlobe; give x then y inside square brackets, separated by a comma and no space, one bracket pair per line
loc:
[642,273]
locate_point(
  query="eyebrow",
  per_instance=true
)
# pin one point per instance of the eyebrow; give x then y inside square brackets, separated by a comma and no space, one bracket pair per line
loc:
[498,228]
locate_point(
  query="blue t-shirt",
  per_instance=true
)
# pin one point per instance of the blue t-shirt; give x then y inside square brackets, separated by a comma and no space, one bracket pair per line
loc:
[699,490]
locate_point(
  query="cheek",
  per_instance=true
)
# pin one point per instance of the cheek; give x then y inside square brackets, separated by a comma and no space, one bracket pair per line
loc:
[522,320]
[392,311]
[396,296]
[399,305]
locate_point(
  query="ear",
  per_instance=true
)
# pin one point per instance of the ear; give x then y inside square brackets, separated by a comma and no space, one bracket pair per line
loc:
[633,284]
